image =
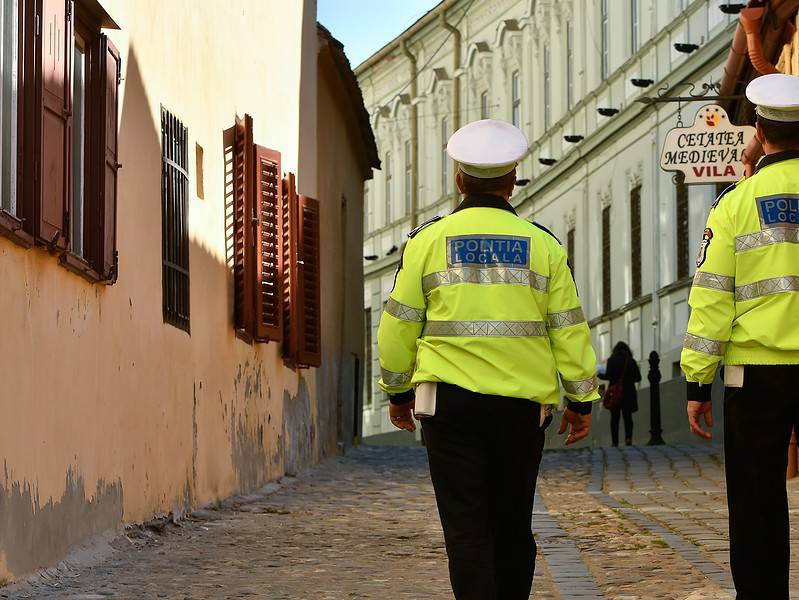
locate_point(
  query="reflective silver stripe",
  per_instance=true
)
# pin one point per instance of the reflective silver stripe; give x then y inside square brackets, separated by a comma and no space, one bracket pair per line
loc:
[567,318]
[404,312]
[773,235]
[703,345]
[485,328]
[579,387]
[766,287]
[392,378]
[485,276]
[714,281]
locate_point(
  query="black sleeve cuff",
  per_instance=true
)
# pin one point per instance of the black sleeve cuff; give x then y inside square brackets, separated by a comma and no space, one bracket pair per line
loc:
[581,408]
[402,397]
[698,393]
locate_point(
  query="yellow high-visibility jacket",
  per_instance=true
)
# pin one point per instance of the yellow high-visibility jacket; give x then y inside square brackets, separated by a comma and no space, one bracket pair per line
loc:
[744,305]
[486,301]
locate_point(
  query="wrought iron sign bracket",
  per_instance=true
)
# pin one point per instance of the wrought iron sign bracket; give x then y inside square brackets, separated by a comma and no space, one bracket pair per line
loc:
[703,96]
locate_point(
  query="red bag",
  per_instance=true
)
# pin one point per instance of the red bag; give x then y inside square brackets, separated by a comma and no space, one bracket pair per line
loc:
[614,395]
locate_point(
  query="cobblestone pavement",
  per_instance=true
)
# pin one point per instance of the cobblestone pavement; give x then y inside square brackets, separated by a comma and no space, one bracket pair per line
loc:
[636,523]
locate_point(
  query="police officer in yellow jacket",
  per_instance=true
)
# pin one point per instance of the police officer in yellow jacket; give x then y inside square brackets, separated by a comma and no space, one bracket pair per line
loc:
[745,311]
[485,312]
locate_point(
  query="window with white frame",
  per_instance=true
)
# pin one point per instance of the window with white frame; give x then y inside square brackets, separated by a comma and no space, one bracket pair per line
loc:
[605,53]
[635,26]
[444,157]
[547,90]
[9,42]
[408,177]
[516,105]
[389,207]
[484,111]
[569,65]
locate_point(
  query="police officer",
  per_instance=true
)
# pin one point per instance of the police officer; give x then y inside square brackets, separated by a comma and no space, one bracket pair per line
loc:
[745,311]
[484,310]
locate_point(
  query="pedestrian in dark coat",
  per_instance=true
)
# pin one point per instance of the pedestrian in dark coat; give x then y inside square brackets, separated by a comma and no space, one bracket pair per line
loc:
[622,368]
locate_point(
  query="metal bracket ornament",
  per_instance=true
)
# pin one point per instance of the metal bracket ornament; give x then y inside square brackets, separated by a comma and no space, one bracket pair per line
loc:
[703,96]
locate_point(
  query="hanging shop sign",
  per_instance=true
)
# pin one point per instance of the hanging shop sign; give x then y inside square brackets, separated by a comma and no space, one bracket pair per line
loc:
[710,151]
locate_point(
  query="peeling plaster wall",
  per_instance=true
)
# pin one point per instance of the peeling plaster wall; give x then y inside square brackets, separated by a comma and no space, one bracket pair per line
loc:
[111,416]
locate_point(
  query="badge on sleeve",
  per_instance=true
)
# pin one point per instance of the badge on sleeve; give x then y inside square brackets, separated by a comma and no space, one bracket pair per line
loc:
[702,256]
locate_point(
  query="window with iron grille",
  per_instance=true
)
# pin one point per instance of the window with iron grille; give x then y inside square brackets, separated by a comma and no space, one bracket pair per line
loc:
[516,108]
[635,240]
[605,52]
[683,251]
[570,248]
[606,266]
[175,221]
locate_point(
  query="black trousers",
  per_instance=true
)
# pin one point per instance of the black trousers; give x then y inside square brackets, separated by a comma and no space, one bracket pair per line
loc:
[758,419]
[615,414]
[484,453]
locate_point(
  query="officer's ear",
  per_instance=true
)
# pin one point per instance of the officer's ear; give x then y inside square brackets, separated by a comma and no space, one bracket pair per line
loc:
[459,181]
[761,137]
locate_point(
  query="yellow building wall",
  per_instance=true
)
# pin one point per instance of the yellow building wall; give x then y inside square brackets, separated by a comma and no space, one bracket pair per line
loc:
[108,414]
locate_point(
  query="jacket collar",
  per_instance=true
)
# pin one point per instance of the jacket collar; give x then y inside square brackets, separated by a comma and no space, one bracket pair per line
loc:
[771,159]
[484,201]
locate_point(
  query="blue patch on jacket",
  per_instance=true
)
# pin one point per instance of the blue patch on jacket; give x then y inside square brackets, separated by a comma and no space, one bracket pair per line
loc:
[780,209]
[488,251]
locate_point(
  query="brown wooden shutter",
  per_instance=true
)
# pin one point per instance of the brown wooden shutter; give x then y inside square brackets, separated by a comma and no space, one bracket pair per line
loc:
[289,275]
[244,244]
[54,189]
[268,234]
[309,350]
[110,65]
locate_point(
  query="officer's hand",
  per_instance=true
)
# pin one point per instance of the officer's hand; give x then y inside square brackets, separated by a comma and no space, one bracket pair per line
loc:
[695,412]
[402,416]
[580,426]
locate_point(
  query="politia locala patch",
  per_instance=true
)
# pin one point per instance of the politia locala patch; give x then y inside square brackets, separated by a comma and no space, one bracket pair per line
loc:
[701,257]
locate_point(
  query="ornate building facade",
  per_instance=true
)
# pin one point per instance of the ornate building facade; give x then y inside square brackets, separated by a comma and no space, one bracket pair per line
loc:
[570,74]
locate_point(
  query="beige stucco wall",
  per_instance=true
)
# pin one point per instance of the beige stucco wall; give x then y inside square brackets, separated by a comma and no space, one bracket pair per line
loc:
[110,415]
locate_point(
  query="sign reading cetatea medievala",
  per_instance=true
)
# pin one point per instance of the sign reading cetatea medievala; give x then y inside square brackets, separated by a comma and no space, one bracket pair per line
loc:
[710,151]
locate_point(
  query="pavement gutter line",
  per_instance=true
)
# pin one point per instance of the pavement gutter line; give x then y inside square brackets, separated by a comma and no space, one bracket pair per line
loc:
[570,574]
[689,552]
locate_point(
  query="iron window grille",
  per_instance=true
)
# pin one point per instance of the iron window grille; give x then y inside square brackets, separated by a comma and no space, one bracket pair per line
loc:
[175,221]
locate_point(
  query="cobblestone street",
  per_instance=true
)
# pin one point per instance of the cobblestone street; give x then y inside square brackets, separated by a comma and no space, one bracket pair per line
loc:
[636,523]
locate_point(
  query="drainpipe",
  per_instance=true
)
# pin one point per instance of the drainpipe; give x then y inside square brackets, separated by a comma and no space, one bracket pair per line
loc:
[751,19]
[456,84]
[414,118]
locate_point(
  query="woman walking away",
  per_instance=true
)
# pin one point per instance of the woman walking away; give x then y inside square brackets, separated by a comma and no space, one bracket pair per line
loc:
[623,374]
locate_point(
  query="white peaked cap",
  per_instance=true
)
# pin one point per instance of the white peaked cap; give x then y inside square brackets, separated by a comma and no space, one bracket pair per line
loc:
[488,148]
[776,97]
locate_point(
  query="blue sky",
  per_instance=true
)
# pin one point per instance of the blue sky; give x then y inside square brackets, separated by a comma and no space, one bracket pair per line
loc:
[365,26]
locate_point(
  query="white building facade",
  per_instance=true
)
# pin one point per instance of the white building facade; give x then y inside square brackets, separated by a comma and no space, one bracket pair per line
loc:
[548,66]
